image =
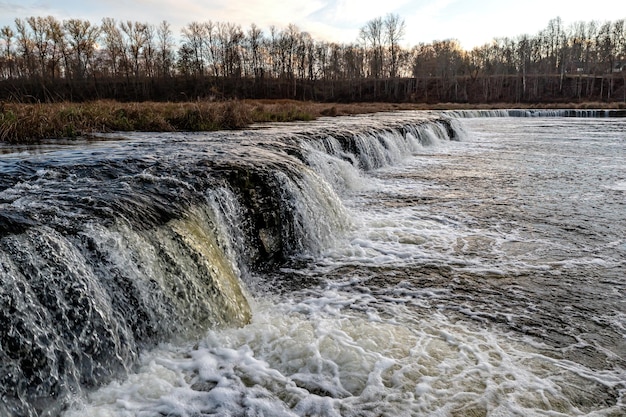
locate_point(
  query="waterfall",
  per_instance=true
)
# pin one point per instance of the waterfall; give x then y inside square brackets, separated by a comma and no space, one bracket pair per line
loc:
[110,248]
[597,113]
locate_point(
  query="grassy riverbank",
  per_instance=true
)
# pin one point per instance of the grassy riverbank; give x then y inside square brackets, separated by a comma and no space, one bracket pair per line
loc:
[27,123]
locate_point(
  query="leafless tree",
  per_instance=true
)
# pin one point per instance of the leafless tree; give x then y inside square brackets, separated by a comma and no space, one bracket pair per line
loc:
[255,43]
[581,61]
[82,38]
[394,32]
[165,49]
[115,47]
[195,37]
[7,35]
[230,37]
[137,36]
[372,36]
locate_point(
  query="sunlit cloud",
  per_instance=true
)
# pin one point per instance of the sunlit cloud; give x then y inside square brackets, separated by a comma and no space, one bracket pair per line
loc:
[471,22]
[9,10]
[356,13]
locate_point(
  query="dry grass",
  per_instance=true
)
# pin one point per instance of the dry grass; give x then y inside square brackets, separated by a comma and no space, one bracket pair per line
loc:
[21,123]
[33,122]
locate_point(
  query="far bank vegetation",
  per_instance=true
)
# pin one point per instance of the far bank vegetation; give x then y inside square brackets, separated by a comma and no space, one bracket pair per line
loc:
[28,122]
[43,59]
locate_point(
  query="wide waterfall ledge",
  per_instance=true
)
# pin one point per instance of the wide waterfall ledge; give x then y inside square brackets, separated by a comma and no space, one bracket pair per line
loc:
[109,248]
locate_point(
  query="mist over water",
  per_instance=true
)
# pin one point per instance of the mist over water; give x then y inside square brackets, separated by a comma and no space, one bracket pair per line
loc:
[382,265]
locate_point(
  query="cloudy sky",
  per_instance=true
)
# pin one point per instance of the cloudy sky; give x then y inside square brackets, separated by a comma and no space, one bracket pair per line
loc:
[472,22]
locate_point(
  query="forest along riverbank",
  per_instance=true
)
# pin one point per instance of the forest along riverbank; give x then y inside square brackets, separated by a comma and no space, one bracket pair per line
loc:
[408,263]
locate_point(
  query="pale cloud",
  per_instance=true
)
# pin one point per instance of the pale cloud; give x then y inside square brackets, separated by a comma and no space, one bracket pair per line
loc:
[279,13]
[471,22]
[310,16]
[434,9]
[9,10]
[357,12]
[263,13]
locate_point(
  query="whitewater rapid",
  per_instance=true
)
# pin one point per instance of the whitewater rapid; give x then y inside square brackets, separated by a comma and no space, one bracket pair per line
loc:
[402,264]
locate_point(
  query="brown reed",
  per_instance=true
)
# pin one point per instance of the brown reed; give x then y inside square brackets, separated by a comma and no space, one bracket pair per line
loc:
[27,123]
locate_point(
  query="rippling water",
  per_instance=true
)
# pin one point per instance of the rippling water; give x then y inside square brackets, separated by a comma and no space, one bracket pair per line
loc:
[365,266]
[484,277]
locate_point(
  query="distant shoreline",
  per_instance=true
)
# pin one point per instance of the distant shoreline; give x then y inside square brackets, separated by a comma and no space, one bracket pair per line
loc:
[32,123]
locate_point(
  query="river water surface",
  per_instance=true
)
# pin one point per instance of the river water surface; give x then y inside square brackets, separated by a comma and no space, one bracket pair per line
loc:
[482,276]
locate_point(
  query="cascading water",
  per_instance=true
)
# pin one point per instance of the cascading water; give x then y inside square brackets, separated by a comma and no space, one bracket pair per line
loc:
[359,266]
[588,113]
[108,248]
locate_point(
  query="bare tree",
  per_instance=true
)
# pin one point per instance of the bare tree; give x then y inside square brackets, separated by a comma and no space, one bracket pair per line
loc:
[581,60]
[165,50]
[149,50]
[40,42]
[372,34]
[7,37]
[194,36]
[394,32]
[230,37]
[58,45]
[26,46]
[114,46]
[523,61]
[213,49]
[82,38]
[321,55]
[136,41]
[255,43]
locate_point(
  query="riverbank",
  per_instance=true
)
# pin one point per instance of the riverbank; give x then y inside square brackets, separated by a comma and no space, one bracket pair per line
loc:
[30,123]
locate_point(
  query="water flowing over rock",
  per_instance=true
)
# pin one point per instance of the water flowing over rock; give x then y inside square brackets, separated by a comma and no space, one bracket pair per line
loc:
[108,248]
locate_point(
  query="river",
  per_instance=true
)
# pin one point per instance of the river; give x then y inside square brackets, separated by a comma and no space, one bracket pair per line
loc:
[409,264]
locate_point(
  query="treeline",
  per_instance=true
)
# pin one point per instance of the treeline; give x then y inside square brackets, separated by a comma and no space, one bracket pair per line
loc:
[43,59]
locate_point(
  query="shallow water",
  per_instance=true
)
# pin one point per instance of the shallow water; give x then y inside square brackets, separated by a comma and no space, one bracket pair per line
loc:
[484,277]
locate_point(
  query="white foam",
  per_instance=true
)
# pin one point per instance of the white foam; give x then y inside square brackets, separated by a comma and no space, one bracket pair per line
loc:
[618,186]
[321,356]
[356,348]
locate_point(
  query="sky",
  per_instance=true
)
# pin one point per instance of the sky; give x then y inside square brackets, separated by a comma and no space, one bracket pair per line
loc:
[471,22]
